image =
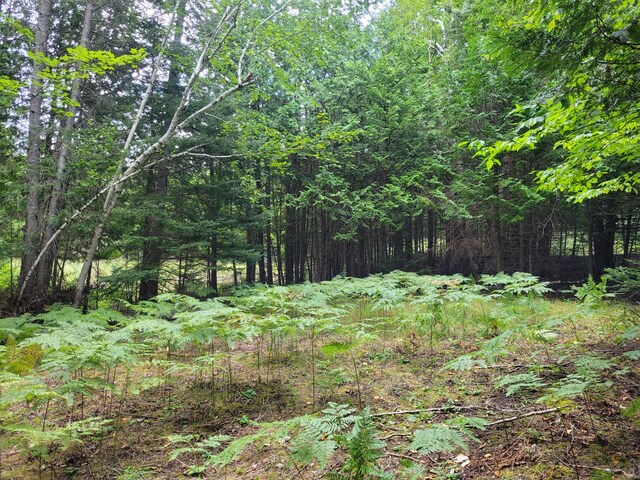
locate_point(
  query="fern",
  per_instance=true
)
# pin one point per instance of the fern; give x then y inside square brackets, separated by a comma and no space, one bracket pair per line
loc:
[571,386]
[447,437]
[520,283]
[203,448]
[467,425]
[31,390]
[464,363]
[437,438]
[592,293]
[316,439]
[38,441]
[307,447]
[19,359]
[588,363]
[276,431]
[518,382]
[631,333]
[625,281]
[632,354]
[364,449]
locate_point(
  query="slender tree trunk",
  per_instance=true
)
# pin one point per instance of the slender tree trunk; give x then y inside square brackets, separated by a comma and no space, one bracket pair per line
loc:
[68,125]
[212,266]
[590,226]
[250,275]
[157,185]
[262,271]
[269,241]
[34,141]
[626,238]
[604,232]
[112,195]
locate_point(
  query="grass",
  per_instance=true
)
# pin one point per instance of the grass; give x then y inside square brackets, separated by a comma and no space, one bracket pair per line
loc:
[211,369]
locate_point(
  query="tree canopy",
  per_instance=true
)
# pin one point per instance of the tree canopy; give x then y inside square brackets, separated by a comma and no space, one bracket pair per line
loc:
[177,146]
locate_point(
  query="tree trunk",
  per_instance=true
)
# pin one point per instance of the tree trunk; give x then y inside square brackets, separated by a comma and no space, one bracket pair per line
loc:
[34,142]
[157,187]
[604,232]
[179,122]
[250,275]
[68,125]
[269,241]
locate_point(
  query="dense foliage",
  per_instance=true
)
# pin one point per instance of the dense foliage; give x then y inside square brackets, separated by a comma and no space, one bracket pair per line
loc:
[204,143]
[208,209]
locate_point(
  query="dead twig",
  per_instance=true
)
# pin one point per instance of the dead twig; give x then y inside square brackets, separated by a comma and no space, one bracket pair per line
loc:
[399,455]
[524,415]
[447,408]
[387,437]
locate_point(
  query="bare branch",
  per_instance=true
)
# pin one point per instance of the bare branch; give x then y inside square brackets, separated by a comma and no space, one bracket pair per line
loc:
[524,415]
[241,62]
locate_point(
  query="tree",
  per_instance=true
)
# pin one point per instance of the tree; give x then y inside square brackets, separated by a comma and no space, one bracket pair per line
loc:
[591,110]
[33,209]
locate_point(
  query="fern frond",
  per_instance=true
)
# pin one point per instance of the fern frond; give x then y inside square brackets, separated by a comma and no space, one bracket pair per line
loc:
[464,363]
[437,438]
[521,381]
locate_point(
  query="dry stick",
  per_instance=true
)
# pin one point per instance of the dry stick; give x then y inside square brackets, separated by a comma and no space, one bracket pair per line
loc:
[399,455]
[434,409]
[524,415]
[387,437]
[471,407]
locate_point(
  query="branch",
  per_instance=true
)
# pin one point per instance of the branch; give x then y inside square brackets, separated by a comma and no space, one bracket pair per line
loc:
[447,408]
[248,80]
[152,81]
[399,455]
[207,51]
[524,415]
[241,62]
[70,219]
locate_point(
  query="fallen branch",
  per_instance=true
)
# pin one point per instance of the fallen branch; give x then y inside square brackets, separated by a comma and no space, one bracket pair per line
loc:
[524,415]
[399,455]
[447,408]
[387,437]
[461,407]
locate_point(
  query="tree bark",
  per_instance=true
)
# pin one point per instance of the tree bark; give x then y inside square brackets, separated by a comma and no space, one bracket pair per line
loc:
[68,125]
[604,232]
[34,141]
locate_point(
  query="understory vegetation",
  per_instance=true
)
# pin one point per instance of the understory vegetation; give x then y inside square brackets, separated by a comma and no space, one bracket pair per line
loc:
[396,376]
[319,239]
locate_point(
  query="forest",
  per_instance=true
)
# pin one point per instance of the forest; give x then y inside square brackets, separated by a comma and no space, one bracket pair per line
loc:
[344,239]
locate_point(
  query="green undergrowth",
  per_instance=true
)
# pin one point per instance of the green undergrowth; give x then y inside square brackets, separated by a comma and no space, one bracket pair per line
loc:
[308,380]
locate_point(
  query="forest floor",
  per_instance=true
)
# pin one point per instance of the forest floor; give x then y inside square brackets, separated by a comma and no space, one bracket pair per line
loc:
[555,382]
